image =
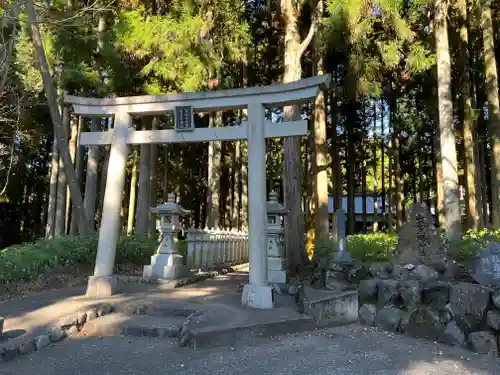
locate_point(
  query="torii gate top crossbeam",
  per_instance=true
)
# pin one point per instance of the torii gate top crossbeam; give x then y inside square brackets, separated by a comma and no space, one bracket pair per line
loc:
[270,96]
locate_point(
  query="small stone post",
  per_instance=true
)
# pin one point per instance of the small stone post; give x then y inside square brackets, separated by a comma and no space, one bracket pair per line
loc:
[275,240]
[340,253]
[167,263]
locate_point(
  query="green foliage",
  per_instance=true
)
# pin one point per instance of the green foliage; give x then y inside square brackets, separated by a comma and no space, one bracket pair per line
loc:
[473,241]
[372,246]
[31,260]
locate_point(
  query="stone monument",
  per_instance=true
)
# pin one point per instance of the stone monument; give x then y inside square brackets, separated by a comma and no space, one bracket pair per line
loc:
[418,241]
[485,265]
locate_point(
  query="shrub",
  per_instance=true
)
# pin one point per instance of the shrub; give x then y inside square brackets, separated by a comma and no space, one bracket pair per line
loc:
[372,246]
[29,261]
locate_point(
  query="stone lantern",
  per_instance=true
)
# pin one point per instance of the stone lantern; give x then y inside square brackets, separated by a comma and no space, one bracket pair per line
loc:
[275,240]
[167,263]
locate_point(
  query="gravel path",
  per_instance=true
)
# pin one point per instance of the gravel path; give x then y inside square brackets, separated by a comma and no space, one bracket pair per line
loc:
[350,350]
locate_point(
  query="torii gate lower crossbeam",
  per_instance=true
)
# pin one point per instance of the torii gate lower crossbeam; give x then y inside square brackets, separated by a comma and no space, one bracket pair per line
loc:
[257,293]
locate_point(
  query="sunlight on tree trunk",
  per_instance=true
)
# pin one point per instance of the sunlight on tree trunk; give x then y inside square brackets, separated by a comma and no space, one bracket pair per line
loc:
[491,74]
[451,202]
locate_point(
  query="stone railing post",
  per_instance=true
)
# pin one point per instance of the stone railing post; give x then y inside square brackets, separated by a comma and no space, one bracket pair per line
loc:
[204,248]
[198,249]
[212,247]
[191,240]
[232,248]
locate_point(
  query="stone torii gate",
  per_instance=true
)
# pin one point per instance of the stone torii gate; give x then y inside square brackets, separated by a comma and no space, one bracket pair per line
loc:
[257,293]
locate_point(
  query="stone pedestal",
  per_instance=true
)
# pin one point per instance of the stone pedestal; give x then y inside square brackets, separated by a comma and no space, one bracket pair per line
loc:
[166,266]
[167,263]
[102,286]
[276,264]
[258,297]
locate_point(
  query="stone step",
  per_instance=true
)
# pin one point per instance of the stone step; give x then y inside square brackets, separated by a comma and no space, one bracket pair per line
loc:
[331,308]
[119,324]
[259,324]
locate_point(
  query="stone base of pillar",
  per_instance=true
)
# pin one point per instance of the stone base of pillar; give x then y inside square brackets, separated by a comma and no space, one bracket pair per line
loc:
[102,286]
[166,266]
[276,276]
[276,270]
[257,297]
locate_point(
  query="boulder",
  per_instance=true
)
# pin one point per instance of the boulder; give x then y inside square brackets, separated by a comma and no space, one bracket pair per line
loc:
[453,335]
[367,314]
[495,297]
[358,273]
[57,334]
[422,322]
[469,304]
[389,318]
[436,294]
[367,290]
[484,342]
[388,293]
[493,319]
[399,272]
[41,341]
[425,273]
[411,293]
[380,270]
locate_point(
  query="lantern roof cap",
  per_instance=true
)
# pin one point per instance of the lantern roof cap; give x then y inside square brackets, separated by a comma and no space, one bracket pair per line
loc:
[170,207]
[274,207]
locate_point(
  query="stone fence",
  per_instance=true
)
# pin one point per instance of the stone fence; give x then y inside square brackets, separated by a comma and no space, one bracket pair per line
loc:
[211,247]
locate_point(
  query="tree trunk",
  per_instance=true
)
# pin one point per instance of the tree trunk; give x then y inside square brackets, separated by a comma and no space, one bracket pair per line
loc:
[364,213]
[52,201]
[322,227]
[79,172]
[398,182]
[133,192]
[244,186]
[451,199]
[60,222]
[237,186]
[390,173]
[102,180]
[474,219]
[484,189]
[421,176]
[334,152]
[73,122]
[491,74]
[56,116]
[294,224]
[214,175]
[153,181]
[91,179]
[374,161]
[144,195]
[382,159]
[166,149]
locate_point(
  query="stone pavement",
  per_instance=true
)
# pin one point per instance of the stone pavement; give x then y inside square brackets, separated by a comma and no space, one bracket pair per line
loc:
[344,350]
[352,350]
[219,297]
